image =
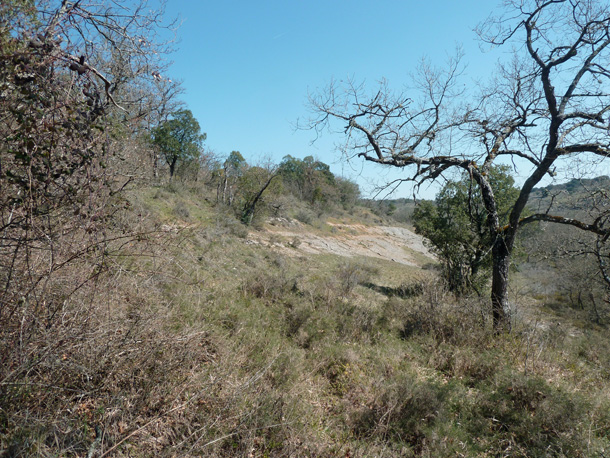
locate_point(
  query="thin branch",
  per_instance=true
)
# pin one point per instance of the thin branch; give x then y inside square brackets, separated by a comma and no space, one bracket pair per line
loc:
[596,229]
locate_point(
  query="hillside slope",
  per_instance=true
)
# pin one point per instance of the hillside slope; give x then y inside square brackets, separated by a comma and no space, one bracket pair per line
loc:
[206,339]
[392,243]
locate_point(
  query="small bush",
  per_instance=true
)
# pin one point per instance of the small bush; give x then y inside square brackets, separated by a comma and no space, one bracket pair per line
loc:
[351,274]
[295,242]
[524,413]
[271,286]
[402,412]
[337,371]
[227,225]
[409,290]
[468,364]
[181,210]
[295,319]
[357,323]
[436,314]
[305,217]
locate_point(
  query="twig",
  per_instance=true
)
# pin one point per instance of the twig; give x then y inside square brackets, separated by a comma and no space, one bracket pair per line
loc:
[245,431]
[158,417]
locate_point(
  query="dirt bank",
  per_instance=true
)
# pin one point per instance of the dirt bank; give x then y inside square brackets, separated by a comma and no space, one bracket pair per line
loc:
[397,244]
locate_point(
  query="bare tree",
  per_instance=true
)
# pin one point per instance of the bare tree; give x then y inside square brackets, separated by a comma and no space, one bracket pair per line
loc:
[601,248]
[549,103]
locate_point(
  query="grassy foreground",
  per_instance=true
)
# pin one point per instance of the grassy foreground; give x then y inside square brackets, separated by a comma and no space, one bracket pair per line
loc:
[196,342]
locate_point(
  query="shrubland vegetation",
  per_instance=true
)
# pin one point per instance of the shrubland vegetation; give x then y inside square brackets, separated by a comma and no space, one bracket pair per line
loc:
[579,261]
[199,342]
[138,318]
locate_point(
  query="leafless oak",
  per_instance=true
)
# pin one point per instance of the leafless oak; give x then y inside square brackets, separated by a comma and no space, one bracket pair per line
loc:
[548,103]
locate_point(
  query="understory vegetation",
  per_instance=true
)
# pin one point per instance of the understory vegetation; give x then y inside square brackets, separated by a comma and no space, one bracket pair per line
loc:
[196,342]
[147,308]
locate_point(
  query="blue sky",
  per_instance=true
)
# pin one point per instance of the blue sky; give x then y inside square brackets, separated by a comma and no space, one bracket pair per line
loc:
[247,67]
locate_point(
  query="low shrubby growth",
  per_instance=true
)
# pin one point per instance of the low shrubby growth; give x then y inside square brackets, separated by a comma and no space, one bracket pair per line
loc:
[197,342]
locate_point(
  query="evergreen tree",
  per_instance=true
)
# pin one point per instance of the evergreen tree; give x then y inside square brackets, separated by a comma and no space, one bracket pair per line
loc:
[179,140]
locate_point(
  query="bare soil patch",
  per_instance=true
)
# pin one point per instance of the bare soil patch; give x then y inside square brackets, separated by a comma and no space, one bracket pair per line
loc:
[396,244]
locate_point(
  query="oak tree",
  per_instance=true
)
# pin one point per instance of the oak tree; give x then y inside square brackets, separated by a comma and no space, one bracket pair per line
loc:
[547,104]
[456,227]
[179,139]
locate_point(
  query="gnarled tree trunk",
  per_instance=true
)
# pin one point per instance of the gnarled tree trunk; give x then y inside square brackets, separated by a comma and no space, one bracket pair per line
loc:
[499,285]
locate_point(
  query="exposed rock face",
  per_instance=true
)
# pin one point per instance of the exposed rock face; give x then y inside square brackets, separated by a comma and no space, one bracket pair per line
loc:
[397,244]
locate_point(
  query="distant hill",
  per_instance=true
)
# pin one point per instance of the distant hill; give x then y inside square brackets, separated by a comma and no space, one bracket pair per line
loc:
[575,185]
[569,199]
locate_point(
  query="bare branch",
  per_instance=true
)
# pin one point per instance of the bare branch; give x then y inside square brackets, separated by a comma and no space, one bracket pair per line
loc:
[594,228]
[547,103]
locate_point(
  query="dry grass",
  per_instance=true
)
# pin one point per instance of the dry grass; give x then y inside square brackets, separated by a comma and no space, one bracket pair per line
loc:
[193,342]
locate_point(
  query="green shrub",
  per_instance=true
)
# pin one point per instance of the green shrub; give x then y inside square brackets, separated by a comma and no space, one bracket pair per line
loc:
[305,216]
[403,411]
[526,415]
[181,210]
[269,285]
[226,224]
[471,365]
[351,274]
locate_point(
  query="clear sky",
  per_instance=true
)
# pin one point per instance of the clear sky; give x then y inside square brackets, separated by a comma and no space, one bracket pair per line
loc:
[248,66]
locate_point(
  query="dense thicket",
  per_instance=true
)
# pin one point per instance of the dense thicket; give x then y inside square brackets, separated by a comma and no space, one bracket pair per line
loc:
[79,83]
[71,78]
